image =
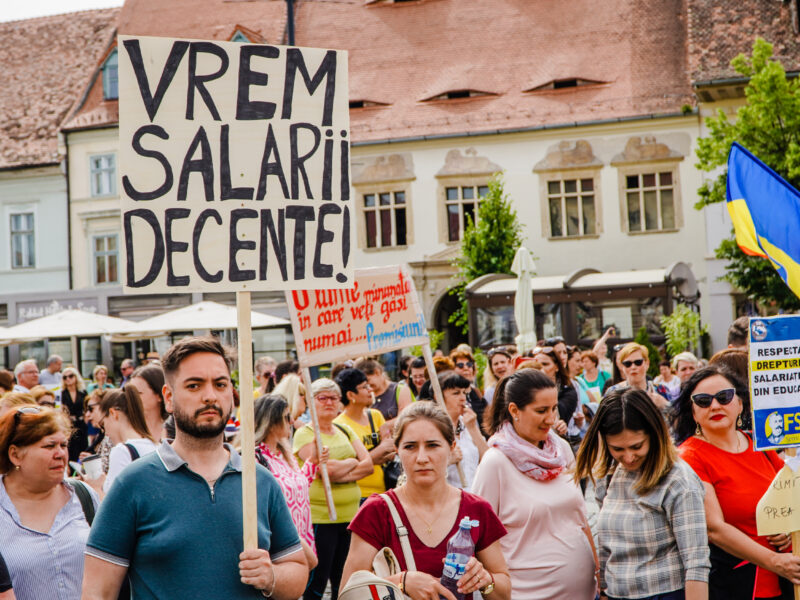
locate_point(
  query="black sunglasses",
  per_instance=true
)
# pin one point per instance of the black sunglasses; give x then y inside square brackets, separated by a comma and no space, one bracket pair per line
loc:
[464,365]
[723,397]
[24,410]
[629,363]
[499,350]
[553,341]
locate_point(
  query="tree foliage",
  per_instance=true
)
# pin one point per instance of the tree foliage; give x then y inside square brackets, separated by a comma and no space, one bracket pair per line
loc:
[769,126]
[682,329]
[488,245]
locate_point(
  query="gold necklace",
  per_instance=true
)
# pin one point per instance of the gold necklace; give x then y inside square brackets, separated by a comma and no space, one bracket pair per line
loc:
[428,526]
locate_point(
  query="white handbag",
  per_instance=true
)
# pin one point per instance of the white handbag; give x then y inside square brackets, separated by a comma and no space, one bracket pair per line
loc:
[373,585]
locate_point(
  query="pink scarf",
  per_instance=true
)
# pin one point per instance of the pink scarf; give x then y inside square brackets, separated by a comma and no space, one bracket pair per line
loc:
[543,463]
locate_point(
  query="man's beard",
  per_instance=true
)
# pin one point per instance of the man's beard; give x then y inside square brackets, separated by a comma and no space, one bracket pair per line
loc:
[189,425]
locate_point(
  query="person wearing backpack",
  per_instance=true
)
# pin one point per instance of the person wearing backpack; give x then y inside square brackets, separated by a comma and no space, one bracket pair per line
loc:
[349,461]
[43,529]
[124,423]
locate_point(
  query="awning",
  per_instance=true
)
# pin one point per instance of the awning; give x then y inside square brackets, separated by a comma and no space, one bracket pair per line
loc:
[201,316]
[677,274]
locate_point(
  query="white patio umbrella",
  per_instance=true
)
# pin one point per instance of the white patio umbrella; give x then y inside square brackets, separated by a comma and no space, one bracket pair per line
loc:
[200,316]
[70,323]
[524,267]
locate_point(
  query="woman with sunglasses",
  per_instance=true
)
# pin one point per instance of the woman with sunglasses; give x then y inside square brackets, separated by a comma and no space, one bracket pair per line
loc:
[634,359]
[651,529]
[273,434]
[349,461]
[43,529]
[71,397]
[465,366]
[711,411]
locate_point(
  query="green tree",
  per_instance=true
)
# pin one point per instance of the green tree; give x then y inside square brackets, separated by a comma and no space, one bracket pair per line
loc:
[769,126]
[488,246]
[682,329]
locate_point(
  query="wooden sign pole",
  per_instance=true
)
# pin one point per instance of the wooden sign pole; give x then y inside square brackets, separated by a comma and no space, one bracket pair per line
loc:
[795,534]
[326,482]
[247,422]
[439,396]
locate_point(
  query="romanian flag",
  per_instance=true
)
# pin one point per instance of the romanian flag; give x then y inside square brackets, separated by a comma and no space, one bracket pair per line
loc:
[765,210]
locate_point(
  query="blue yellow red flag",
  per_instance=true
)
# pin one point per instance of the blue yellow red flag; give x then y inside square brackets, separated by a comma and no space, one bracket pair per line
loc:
[765,210]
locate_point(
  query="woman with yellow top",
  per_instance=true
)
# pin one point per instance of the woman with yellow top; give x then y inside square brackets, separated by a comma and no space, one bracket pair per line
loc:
[368,424]
[349,461]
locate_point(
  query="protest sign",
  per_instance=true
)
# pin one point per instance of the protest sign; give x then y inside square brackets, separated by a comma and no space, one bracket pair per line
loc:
[234,166]
[378,314]
[775,381]
[778,511]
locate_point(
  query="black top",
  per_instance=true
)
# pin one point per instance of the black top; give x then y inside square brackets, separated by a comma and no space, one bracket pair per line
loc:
[5,578]
[567,403]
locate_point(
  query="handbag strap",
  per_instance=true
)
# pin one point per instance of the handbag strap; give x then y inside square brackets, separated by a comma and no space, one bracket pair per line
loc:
[402,533]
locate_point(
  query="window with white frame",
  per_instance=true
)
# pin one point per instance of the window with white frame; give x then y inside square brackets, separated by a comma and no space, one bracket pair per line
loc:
[23,240]
[385,219]
[650,201]
[111,77]
[102,172]
[571,206]
[105,253]
[461,205]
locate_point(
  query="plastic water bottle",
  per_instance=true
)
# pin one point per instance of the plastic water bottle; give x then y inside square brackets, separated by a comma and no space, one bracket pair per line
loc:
[460,548]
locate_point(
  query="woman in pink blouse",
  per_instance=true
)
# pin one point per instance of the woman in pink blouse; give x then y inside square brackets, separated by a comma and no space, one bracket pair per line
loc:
[273,430]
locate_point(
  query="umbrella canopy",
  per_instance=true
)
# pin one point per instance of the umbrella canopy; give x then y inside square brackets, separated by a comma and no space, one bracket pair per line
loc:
[203,315]
[67,323]
[524,267]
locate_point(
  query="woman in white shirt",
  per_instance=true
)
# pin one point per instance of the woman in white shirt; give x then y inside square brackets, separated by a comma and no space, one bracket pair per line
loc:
[124,422]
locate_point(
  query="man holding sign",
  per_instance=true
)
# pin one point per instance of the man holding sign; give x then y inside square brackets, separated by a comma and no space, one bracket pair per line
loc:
[169,519]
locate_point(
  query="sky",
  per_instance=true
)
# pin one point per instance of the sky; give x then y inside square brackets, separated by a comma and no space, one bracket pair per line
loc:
[11,10]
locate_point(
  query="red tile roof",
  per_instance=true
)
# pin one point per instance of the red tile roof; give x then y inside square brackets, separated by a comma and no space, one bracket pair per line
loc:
[45,65]
[405,53]
[718,31]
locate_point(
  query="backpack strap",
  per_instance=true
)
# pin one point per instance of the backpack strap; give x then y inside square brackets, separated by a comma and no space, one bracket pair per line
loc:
[371,422]
[132,451]
[344,431]
[84,497]
[402,532]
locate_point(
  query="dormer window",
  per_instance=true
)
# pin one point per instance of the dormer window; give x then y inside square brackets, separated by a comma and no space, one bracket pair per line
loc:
[457,94]
[110,77]
[240,37]
[559,84]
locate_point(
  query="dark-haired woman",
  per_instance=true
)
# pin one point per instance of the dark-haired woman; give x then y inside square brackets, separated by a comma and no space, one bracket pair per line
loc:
[124,423]
[470,443]
[71,397]
[525,477]
[273,431]
[551,365]
[713,407]
[651,527]
[430,510]
[149,382]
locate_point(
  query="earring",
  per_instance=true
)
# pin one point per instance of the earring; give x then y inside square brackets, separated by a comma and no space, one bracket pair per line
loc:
[516,418]
[697,431]
[16,467]
[739,421]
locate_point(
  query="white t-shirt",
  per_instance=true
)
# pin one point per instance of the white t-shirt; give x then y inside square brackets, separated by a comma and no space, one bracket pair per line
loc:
[120,457]
[469,461]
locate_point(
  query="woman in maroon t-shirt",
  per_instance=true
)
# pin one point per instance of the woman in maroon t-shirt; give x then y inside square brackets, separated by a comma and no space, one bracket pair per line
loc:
[431,510]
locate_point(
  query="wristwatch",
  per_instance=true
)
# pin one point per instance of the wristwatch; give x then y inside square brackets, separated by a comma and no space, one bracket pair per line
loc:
[488,588]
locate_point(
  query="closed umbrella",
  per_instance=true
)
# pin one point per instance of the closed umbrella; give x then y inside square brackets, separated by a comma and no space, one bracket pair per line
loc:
[524,267]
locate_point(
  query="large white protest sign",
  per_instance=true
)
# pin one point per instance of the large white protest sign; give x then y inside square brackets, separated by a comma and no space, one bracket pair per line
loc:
[380,313]
[775,381]
[234,166]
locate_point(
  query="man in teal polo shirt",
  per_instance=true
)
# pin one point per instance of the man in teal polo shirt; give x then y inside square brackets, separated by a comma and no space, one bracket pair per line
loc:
[172,521]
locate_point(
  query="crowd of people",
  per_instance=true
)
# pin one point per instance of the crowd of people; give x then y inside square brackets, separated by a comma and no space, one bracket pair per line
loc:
[587,478]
